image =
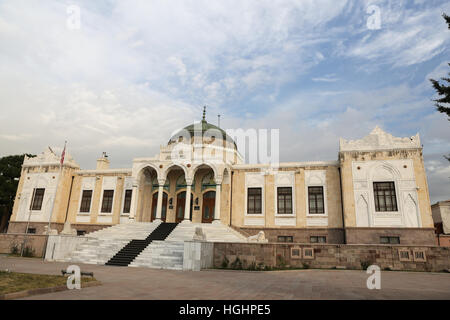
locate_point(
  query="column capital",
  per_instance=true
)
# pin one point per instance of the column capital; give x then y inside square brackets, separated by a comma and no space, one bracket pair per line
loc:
[161,182]
[218,179]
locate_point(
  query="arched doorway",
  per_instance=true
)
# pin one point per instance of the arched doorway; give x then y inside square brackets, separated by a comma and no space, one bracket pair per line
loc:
[155,205]
[145,177]
[209,202]
[181,204]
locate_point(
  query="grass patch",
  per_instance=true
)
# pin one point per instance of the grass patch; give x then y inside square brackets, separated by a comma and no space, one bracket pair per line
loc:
[15,282]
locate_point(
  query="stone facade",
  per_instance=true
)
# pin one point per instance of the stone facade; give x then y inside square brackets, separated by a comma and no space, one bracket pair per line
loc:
[412,236]
[299,235]
[36,243]
[202,178]
[328,256]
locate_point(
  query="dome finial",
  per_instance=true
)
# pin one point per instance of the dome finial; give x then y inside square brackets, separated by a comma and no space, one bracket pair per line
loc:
[204,113]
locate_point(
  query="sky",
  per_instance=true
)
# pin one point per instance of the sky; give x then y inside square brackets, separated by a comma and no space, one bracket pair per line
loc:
[122,76]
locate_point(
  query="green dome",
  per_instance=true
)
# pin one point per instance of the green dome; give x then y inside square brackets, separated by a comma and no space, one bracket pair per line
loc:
[205,126]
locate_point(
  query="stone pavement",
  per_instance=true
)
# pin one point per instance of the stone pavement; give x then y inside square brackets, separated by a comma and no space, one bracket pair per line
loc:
[144,283]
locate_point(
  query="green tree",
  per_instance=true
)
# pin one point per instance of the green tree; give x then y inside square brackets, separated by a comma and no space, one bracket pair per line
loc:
[10,168]
[443,89]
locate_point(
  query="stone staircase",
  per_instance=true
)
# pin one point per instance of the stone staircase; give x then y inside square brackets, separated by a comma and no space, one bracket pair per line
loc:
[134,248]
[103,244]
[168,254]
[215,232]
[161,255]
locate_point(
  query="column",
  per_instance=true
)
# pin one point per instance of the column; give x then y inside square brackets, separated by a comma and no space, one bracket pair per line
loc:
[160,198]
[187,206]
[134,200]
[217,204]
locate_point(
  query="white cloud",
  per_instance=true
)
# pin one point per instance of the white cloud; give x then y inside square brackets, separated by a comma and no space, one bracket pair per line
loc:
[326,78]
[137,71]
[408,36]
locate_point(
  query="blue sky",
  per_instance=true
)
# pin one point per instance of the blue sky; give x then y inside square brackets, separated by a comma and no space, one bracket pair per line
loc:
[137,70]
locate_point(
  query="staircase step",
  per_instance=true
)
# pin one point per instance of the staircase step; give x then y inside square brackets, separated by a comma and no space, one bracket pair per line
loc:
[128,253]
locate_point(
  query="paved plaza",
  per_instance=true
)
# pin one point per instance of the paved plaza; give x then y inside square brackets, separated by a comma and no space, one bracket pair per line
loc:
[145,283]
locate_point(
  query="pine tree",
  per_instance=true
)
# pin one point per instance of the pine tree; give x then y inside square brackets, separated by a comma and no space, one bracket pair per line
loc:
[442,89]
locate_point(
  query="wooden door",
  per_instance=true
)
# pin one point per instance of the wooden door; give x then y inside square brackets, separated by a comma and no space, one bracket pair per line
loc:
[181,203]
[209,202]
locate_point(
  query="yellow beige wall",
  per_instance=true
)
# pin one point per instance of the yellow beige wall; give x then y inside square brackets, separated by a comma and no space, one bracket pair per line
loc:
[299,193]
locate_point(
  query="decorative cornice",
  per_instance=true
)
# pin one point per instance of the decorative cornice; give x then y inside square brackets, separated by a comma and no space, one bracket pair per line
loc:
[104,171]
[49,158]
[286,165]
[379,140]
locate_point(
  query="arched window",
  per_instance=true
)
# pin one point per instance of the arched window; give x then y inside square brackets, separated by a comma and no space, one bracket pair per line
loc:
[208,181]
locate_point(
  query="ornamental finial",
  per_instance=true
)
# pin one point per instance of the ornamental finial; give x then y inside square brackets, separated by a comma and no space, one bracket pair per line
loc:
[204,112]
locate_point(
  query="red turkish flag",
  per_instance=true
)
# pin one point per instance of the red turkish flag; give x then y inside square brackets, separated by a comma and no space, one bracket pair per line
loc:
[63,153]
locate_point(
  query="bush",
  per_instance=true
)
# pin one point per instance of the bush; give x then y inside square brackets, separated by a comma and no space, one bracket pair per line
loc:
[365,264]
[281,262]
[305,266]
[225,262]
[28,252]
[15,249]
[236,264]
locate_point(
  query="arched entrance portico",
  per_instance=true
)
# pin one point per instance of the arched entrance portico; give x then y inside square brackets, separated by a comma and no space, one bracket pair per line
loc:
[208,192]
[143,192]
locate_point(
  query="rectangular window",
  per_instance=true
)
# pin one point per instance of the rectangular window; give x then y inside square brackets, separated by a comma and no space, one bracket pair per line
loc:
[31,230]
[284,200]
[254,203]
[107,201]
[390,240]
[315,197]
[86,201]
[127,201]
[385,199]
[285,239]
[38,197]
[81,232]
[318,239]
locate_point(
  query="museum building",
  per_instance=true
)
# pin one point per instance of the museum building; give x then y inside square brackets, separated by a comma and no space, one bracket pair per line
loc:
[376,192]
